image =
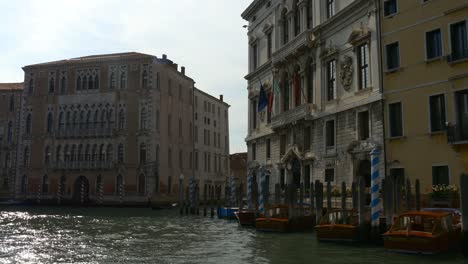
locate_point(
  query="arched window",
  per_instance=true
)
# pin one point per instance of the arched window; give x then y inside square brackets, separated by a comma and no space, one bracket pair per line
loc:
[84,83]
[58,154]
[63,84]
[123,80]
[285,21]
[73,154]
[66,154]
[87,154]
[47,155]
[110,153]
[10,131]
[120,153]
[142,153]
[88,120]
[297,20]
[111,118]
[67,121]
[96,82]
[82,119]
[142,184]
[94,154]
[285,95]
[103,118]
[31,86]
[79,83]
[144,77]
[143,118]
[52,85]
[26,157]
[102,153]
[50,123]
[122,119]
[60,122]
[309,14]
[112,81]
[28,124]
[24,183]
[75,120]
[45,184]
[96,118]
[90,83]
[80,153]
[12,103]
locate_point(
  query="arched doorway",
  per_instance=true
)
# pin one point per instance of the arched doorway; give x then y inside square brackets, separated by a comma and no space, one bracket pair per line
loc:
[81,190]
[364,171]
[296,172]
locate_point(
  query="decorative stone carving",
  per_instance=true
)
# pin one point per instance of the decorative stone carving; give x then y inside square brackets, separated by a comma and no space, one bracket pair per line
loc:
[327,52]
[361,146]
[346,72]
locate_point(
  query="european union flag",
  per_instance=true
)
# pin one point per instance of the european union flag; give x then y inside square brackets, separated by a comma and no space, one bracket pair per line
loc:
[262,99]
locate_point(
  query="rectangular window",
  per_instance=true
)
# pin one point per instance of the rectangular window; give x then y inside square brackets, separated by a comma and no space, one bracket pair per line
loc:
[310,11]
[363,63]
[440,175]
[330,133]
[393,56]
[363,122]
[254,56]
[461,98]
[329,175]
[310,85]
[254,151]
[282,145]
[459,41]
[307,141]
[331,80]
[297,21]
[270,45]
[433,44]
[396,120]
[330,8]
[390,7]
[437,112]
[268,148]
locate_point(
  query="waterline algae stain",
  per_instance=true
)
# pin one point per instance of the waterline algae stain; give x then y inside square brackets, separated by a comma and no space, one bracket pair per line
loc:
[117,235]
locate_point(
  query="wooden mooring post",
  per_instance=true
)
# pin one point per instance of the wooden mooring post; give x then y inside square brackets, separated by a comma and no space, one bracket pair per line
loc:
[212,201]
[318,201]
[408,195]
[329,197]
[343,196]
[181,194]
[205,199]
[354,191]
[363,232]
[187,200]
[277,193]
[417,191]
[311,198]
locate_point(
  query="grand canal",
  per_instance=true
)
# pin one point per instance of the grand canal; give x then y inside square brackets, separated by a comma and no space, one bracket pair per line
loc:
[101,235]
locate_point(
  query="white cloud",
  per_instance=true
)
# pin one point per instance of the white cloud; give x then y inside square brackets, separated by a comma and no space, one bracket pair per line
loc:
[205,36]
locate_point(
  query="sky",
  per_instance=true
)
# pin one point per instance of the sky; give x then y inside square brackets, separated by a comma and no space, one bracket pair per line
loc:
[205,36]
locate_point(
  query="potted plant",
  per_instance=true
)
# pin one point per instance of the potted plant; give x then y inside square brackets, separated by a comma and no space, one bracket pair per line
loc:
[443,194]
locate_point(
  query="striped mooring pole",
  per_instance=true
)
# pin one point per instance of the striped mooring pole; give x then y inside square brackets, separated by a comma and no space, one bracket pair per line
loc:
[249,190]
[101,193]
[121,193]
[233,191]
[82,192]
[192,192]
[261,199]
[375,188]
[59,193]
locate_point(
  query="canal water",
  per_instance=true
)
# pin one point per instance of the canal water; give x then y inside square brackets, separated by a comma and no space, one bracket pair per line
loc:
[116,235]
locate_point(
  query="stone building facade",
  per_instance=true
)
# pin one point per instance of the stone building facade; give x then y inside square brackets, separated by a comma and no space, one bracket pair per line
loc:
[320,61]
[211,141]
[10,105]
[106,128]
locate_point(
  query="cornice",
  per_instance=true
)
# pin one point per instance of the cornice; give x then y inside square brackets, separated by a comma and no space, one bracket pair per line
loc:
[252,8]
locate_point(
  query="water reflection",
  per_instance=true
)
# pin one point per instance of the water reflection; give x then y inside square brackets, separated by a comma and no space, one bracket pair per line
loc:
[47,235]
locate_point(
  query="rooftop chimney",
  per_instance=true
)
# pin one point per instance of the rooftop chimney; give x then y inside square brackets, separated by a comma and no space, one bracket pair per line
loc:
[182,70]
[221,98]
[164,57]
[176,66]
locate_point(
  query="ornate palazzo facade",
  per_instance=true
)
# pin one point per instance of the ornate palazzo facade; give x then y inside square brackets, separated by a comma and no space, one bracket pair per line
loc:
[318,62]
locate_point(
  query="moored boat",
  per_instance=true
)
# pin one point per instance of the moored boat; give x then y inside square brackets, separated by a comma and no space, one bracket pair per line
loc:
[338,226]
[246,217]
[422,232]
[227,212]
[277,219]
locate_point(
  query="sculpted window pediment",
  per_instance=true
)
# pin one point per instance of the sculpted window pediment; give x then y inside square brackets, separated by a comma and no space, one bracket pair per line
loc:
[328,52]
[359,35]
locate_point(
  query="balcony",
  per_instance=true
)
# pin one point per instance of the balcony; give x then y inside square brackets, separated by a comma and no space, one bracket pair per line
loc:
[456,135]
[301,112]
[458,56]
[297,43]
[82,165]
[85,132]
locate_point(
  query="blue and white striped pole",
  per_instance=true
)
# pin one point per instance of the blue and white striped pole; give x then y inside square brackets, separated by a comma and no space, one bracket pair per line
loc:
[249,190]
[192,192]
[375,188]
[233,191]
[261,199]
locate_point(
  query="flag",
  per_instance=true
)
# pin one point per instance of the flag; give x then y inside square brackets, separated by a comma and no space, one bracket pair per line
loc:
[297,88]
[262,99]
[271,97]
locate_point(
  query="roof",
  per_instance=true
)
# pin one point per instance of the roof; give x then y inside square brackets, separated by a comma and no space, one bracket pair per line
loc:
[95,58]
[11,86]
[212,97]
[252,8]
[427,214]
